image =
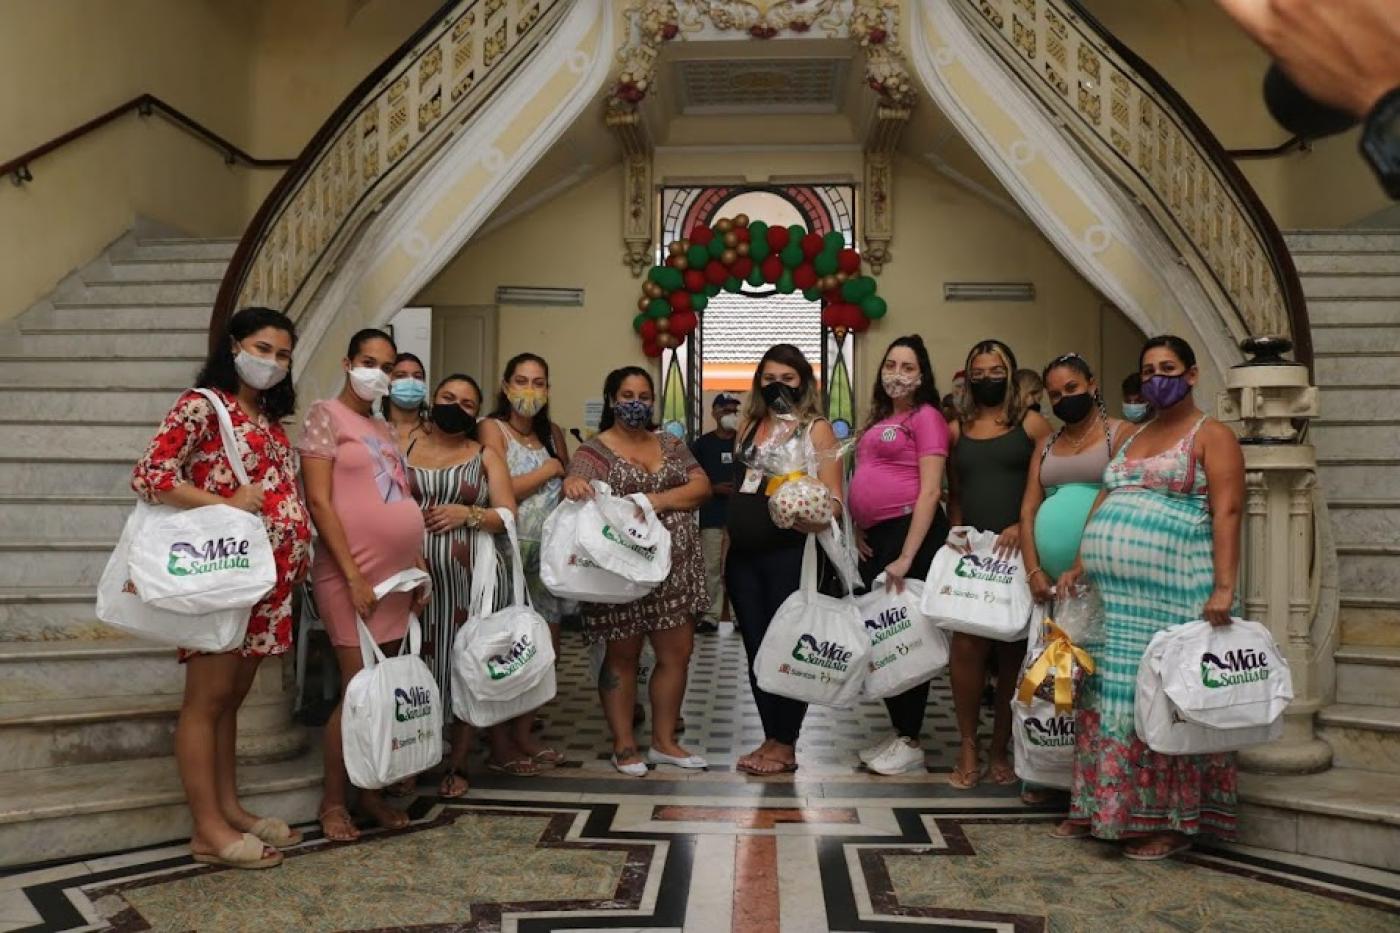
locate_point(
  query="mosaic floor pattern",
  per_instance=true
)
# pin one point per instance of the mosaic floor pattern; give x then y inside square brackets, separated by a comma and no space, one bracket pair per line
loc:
[830,848]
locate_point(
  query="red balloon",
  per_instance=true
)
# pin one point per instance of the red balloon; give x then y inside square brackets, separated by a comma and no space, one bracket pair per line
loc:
[772,268]
[742,266]
[811,245]
[715,272]
[683,323]
[860,324]
[694,280]
[701,235]
[804,277]
[743,234]
[833,297]
[648,331]
[777,238]
[848,261]
[652,350]
[847,315]
[828,317]
[680,301]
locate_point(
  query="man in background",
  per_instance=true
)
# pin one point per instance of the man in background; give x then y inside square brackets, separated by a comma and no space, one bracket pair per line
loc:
[715,453]
[1135,407]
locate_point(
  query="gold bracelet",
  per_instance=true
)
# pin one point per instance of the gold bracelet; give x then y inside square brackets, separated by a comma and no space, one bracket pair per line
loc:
[1034,571]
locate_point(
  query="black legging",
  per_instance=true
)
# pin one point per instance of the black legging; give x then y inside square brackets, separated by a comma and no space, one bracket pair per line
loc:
[757,583]
[886,540]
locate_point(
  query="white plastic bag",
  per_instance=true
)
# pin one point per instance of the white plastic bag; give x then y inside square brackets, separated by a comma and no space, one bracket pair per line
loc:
[634,546]
[391,718]
[978,592]
[815,649]
[502,659]
[1042,739]
[906,649]
[569,572]
[166,581]
[1233,674]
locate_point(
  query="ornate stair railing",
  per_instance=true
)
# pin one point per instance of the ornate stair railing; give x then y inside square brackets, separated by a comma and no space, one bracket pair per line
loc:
[387,128]
[1134,124]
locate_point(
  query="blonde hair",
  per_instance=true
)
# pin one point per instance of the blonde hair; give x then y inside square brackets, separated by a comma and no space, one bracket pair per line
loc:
[807,407]
[1011,409]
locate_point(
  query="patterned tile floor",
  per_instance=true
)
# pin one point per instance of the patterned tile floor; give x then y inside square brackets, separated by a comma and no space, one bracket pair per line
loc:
[831,848]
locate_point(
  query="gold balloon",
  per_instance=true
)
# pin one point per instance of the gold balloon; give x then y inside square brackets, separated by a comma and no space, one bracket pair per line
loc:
[827,282]
[677,248]
[668,341]
[663,325]
[642,303]
[653,290]
[741,220]
[679,262]
[841,276]
[724,225]
[684,245]
[731,239]
[728,256]
[742,249]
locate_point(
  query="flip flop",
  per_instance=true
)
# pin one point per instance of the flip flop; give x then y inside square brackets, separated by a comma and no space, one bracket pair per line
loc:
[783,767]
[548,757]
[344,814]
[1076,831]
[1174,849]
[967,779]
[246,853]
[1007,775]
[448,779]
[275,832]
[520,767]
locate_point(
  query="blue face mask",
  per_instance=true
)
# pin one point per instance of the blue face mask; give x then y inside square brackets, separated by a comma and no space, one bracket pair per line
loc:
[408,393]
[634,413]
[1136,412]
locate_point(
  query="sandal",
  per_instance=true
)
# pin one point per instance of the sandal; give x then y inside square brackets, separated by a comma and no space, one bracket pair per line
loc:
[275,832]
[349,833]
[1003,774]
[520,767]
[248,852]
[748,765]
[1070,830]
[548,757]
[967,779]
[1149,851]
[451,779]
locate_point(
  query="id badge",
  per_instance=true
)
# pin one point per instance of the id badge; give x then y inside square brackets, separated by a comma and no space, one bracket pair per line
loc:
[752,480]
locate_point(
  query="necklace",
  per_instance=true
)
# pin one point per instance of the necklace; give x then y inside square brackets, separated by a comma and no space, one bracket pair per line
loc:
[1078,445]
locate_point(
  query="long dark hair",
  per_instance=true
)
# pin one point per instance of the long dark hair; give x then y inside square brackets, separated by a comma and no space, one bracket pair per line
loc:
[541,423]
[807,407]
[881,405]
[405,357]
[613,384]
[1179,347]
[218,371]
[1011,409]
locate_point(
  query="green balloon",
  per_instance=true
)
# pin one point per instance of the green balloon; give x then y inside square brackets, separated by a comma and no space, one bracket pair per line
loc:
[656,272]
[670,279]
[825,263]
[711,289]
[733,283]
[812,294]
[795,234]
[849,290]
[698,301]
[637,322]
[716,247]
[792,255]
[755,276]
[697,256]
[659,307]
[833,242]
[785,284]
[865,287]
[758,233]
[759,248]
[874,307]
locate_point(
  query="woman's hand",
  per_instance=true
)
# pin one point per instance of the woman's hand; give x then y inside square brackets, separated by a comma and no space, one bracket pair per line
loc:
[248,498]
[362,596]
[1041,589]
[811,528]
[895,572]
[578,489]
[421,597]
[1070,579]
[1217,609]
[552,468]
[1009,541]
[659,504]
[863,546]
[442,518]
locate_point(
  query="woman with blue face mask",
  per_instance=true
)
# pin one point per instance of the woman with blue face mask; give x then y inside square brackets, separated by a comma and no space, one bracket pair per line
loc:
[406,405]
[631,456]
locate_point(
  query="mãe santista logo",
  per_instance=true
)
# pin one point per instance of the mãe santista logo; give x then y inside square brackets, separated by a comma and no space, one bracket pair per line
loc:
[1057,732]
[989,569]
[1239,666]
[215,554]
[501,666]
[413,703]
[889,623]
[647,551]
[824,654]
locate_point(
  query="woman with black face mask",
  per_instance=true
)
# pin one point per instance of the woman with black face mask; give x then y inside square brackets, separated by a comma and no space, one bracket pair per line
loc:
[993,440]
[459,484]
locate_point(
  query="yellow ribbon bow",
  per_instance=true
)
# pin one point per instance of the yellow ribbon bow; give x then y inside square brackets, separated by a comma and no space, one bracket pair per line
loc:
[1061,654]
[777,482]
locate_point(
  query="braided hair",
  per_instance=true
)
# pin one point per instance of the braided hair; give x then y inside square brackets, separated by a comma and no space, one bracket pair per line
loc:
[1081,366]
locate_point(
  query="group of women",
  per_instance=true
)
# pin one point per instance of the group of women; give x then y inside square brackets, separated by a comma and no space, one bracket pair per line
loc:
[1148,513]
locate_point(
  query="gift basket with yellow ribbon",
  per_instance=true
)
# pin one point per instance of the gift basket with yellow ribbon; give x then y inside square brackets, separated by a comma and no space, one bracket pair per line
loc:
[1056,673]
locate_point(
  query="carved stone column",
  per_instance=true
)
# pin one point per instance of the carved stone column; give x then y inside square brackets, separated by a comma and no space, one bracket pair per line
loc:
[877,194]
[637,213]
[265,728]
[1270,396]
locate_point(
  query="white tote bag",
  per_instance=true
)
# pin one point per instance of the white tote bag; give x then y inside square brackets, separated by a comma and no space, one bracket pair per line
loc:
[906,648]
[1227,677]
[212,631]
[1042,739]
[815,649]
[978,592]
[391,718]
[569,572]
[1165,727]
[634,546]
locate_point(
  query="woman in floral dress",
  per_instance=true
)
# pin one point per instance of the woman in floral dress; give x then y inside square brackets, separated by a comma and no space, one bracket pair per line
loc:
[1162,545]
[631,457]
[185,466]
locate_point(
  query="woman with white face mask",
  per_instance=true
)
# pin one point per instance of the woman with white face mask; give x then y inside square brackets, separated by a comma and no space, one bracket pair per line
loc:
[406,405]
[900,523]
[370,528]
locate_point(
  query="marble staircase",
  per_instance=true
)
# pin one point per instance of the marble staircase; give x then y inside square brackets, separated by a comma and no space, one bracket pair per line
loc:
[1352,812]
[87,715]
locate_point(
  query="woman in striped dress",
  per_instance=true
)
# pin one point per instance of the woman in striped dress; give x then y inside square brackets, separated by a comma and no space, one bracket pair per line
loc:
[1162,545]
[458,483]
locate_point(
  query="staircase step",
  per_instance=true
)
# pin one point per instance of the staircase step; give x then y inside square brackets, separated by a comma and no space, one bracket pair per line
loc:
[41,342]
[1369,568]
[1336,241]
[57,439]
[1353,368]
[41,404]
[1368,674]
[82,371]
[1362,402]
[1342,338]
[38,475]
[1358,477]
[175,248]
[79,810]
[65,516]
[1360,438]
[1326,311]
[1344,814]
[146,269]
[58,733]
[1365,737]
[53,563]
[1371,620]
[1351,286]
[127,317]
[1357,521]
[63,670]
[1348,262]
[52,614]
[103,291]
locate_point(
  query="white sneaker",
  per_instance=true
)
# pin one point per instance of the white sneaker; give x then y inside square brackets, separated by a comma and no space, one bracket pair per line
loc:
[693,762]
[867,755]
[898,757]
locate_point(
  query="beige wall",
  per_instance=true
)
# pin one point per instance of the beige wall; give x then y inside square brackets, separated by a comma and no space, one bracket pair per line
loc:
[1220,72]
[942,234]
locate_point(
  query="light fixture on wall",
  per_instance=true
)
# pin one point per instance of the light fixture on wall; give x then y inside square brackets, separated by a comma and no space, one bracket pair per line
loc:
[988,291]
[532,295]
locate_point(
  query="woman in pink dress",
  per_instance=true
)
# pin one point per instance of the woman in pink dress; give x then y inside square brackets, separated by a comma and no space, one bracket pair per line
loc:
[370,528]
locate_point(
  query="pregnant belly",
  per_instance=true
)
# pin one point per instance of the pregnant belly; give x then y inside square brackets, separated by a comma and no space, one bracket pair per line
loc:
[385,537]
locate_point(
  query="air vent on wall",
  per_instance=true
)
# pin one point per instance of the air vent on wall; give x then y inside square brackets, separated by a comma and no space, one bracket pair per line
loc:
[988,291]
[531,295]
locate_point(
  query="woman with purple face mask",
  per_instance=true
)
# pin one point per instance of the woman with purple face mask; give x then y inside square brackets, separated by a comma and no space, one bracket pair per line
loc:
[632,457]
[1162,545]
